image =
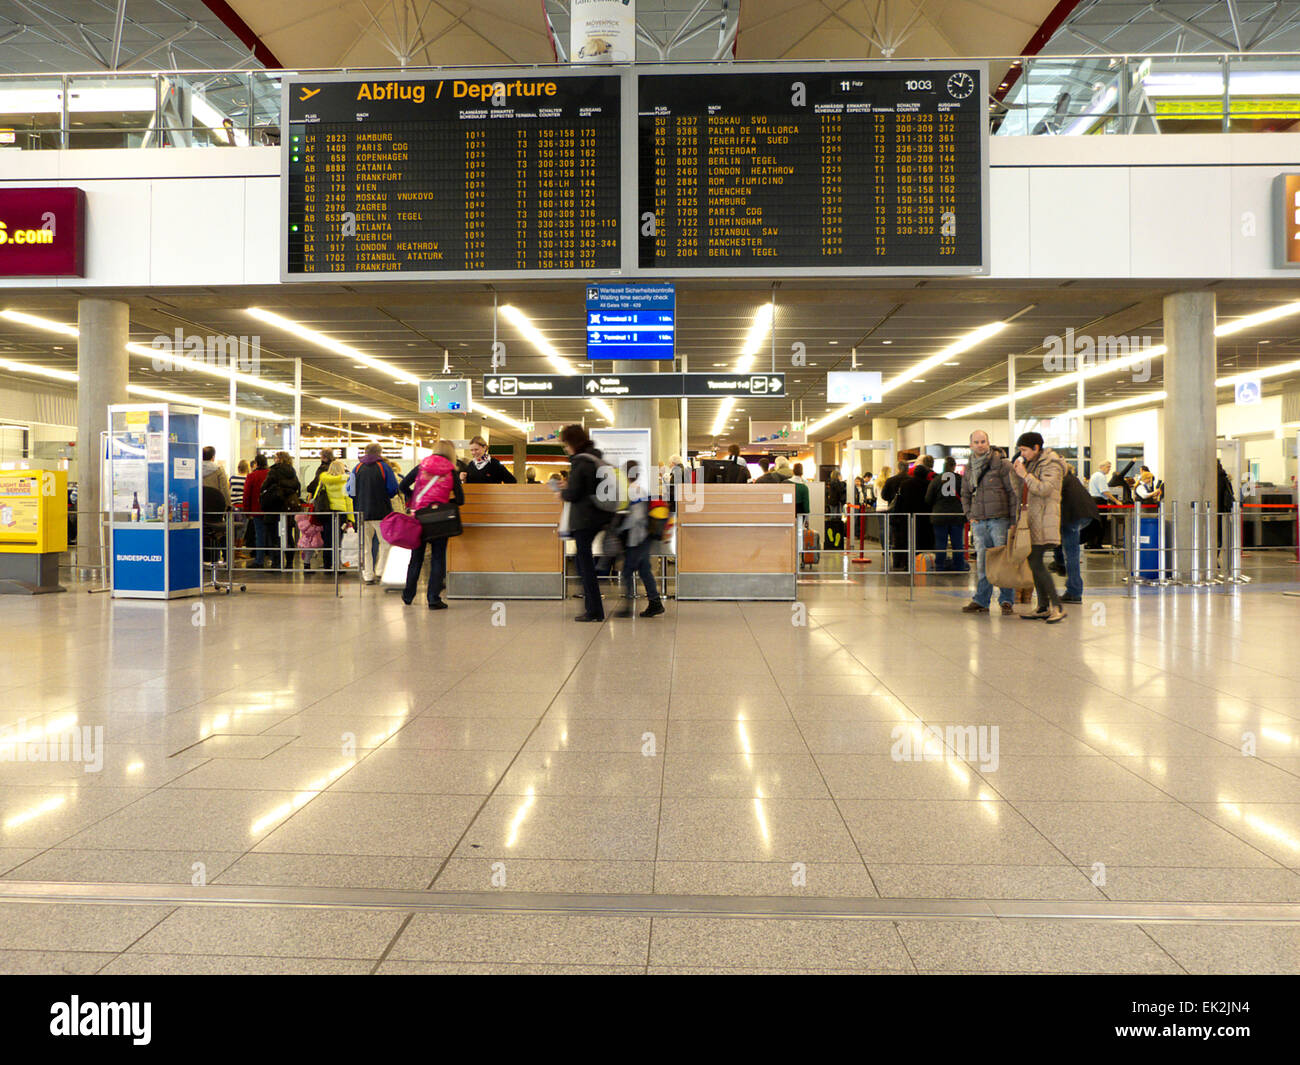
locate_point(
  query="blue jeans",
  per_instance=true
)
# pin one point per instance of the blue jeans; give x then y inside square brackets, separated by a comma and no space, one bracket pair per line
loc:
[253,531]
[1068,554]
[991,532]
[582,541]
[437,569]
[636,562]
[949,534]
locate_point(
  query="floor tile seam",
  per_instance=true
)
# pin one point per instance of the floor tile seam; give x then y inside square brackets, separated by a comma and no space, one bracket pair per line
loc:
[1012,805]
[663,765]
[518,751]
[137,939]
[294,813]
[392,942]
[88,827]
[1161,947]
[1181,802]
[649,907]
[1190,645]
[820,772]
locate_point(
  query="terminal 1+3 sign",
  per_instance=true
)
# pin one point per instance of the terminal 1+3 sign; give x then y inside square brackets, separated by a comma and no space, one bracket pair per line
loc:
[633,386]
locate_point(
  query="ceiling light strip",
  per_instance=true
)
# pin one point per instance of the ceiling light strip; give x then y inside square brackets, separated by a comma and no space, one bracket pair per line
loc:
[758,331]
[1236,325]
[330,344]
[957,347]
[534,336]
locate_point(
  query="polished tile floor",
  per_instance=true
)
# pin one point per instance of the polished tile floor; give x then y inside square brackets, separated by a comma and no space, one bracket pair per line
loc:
[847,747]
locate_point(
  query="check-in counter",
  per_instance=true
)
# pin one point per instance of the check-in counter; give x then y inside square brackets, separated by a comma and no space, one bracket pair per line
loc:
[510,548]
[737,541]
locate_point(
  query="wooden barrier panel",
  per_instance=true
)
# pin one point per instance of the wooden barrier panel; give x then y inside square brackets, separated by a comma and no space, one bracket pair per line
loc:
[737,541]
[510,547]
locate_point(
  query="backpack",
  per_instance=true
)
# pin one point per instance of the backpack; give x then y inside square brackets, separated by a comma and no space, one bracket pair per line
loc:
[1077,503]
[657,523]
[436,489]
[611,495]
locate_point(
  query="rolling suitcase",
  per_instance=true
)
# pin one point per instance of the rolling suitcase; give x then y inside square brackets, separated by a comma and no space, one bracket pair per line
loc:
[809,555]
[395,566]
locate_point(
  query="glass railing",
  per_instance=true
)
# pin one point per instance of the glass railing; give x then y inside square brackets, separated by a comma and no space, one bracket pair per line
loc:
[1159,93]
[1031,96]
[166,109]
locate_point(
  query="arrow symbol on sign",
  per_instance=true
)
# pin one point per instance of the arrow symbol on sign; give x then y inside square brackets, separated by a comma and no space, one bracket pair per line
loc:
[592,386]
[774,383]
[492,386]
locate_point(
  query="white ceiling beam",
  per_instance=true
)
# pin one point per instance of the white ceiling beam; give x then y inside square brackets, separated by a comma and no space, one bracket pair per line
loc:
[159,46]
[81,32]
[118,21]
[676,37]
[1191,27]
[1236,26]
[63,37]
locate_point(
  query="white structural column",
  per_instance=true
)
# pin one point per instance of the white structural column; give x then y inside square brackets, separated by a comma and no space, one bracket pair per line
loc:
[638,413]
[454,429]
[1188,451]
[1011,407]
[883,429]
[103,329]
[670,431]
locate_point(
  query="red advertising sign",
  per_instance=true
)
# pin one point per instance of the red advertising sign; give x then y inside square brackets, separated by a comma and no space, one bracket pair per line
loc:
[42,232]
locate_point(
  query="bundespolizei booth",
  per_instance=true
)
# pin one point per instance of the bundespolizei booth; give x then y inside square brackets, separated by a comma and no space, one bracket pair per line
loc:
[155,475]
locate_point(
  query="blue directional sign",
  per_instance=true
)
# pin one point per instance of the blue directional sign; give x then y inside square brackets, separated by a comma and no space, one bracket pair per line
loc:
[630,321]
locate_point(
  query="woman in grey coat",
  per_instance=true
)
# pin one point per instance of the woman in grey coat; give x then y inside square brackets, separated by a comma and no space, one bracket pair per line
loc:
[1042,471]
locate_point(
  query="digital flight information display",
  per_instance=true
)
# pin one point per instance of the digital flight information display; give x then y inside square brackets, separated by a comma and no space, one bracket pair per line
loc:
[451,175]
[867,171]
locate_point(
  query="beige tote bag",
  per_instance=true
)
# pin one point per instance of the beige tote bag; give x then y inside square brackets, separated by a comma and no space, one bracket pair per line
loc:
[1008,566]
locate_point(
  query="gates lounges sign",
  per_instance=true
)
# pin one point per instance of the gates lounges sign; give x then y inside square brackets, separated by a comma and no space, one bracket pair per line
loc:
[42,232]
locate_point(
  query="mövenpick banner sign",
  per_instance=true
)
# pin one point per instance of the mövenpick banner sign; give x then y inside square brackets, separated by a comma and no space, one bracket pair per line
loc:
[602,31]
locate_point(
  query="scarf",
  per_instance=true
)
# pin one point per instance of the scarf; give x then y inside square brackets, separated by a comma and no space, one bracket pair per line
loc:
[977,464]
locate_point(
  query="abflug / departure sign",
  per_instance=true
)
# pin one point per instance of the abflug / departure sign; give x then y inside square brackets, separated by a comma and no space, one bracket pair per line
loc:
[867,170]
[451,175]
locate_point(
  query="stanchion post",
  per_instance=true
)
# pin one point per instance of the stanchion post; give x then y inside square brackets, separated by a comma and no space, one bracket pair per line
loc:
[338,547]
[1162,567]
[844,560]
[1135,545]
[887,561]
[911,556]
[1236,541]
[1177,570]
[1196,547]
[1210,567]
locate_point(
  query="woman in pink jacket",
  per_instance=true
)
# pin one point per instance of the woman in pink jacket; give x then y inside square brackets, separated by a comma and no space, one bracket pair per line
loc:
[434,480]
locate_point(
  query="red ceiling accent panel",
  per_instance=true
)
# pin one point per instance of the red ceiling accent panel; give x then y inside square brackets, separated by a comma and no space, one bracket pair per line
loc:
[247,37]
[1063,10]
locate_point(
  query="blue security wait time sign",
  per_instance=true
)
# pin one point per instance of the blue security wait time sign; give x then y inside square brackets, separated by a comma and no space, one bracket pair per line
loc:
[631,321]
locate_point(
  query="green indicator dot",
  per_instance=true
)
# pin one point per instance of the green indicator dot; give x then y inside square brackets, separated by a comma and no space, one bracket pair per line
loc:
[294,228]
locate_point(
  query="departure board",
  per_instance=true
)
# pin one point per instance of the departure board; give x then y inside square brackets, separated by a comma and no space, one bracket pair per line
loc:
[455,175]
[865,171]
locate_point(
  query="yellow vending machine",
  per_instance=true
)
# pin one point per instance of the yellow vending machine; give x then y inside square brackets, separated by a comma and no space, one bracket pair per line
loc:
[33,530]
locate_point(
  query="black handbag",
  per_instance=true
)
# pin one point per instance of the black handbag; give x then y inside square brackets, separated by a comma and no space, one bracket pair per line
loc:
[1077,503]
[439,520]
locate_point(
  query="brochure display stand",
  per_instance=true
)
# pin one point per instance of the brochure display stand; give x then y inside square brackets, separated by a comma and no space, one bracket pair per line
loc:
[155,479]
